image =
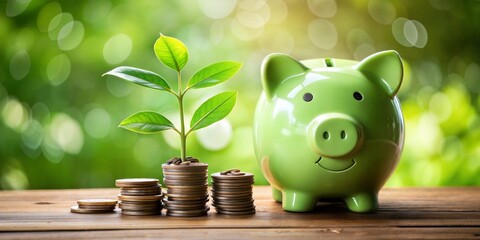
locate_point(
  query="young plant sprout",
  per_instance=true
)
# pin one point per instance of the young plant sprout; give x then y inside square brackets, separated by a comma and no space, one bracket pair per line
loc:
[174,54]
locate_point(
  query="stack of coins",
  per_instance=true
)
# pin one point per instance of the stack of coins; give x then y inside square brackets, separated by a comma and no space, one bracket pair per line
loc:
[232,192]
[187,189]
[94,206]
[140,196]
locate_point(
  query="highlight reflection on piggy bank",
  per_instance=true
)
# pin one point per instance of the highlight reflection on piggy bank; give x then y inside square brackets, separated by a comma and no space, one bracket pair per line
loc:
[329,129]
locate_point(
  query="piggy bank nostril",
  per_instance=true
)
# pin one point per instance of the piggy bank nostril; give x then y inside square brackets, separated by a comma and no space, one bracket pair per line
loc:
[343,134]
[326,135]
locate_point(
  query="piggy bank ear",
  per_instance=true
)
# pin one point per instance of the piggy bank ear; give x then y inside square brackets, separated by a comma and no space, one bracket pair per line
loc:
[276,68]
[384,67]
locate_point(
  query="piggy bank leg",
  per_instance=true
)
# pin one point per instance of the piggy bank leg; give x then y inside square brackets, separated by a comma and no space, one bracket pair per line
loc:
[362,202]
[298,202]
[277,195]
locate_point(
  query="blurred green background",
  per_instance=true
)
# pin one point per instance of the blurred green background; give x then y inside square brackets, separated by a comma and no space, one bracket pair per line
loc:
[58,116]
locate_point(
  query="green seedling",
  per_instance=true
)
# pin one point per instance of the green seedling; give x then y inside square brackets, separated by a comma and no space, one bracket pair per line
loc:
[174,54]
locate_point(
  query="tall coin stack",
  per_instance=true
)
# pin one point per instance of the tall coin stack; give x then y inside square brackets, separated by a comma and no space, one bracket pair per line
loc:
[140,196]
[187,188]
[232,192]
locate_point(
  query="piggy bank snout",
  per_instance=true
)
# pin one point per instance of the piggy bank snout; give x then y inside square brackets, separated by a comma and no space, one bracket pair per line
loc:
[335,135]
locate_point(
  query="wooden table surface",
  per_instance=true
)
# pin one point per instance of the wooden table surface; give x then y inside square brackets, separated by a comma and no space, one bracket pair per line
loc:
[418,213]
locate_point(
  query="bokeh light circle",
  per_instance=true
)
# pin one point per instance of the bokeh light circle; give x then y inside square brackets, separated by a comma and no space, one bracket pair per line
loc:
[323,8]
[66,133]
[57,23]
[217,9]
[33,135]
[277,40]
[58,69]
[409,33]
[20,65]
[323,33]
[71,35]
[15,115]
[382,12]
[117,48]
[216,136]
[97,123]
[16,7]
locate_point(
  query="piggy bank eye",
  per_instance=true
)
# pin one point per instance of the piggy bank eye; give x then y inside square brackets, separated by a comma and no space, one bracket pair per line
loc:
[307,97]
[358,96]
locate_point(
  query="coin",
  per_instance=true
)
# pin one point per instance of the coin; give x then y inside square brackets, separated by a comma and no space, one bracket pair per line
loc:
[192,167]
[242,182]
[136,182]
[142,202]
[140,198]
[169,201]
[97,202]
[173,194]
[182,173]
[236,197]
[157,186]
[188,191]
[187,198]
[235,213]
[231,193]
[76,209]
[188,213]
[140,208]
[219,176]
[233,202]
[185,207]
[188,187]
[130,206]
[140,192]
[187,178]
[93,207]
[236,209]
[139,213]
[232,186]
[185,182]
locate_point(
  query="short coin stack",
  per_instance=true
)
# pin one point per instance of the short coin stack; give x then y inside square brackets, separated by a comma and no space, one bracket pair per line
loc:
[232,192]
[94,206]
[140,196]
[187,189]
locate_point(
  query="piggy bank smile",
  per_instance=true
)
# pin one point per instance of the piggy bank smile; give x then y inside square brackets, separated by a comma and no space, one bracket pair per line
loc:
[335,165]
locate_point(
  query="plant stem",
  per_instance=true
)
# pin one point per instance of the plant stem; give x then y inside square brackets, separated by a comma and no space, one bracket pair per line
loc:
[183,137]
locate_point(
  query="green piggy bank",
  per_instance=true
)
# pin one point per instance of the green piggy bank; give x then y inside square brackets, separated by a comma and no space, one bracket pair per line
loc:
[329,129]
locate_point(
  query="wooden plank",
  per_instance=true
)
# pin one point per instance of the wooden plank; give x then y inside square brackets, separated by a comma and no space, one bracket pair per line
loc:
[256,233]
[48,210]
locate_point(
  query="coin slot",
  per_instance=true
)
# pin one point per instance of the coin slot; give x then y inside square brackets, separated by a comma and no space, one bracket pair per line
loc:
[329,62]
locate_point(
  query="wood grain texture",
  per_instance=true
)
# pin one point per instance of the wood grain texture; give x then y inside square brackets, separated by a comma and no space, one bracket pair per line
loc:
[428,213]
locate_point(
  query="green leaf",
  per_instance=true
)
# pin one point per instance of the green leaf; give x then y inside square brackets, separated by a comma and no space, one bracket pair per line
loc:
[213,110]
[214,74]
[171,52]
[141,77]
[146,122]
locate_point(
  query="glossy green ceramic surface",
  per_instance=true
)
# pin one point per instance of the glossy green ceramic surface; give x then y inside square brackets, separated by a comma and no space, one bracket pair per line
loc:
[329,129]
